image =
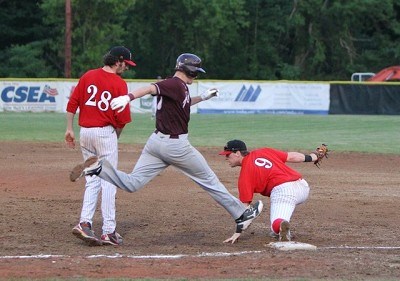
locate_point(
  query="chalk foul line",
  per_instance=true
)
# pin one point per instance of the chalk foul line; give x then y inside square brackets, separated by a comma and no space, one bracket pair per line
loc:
[178,256]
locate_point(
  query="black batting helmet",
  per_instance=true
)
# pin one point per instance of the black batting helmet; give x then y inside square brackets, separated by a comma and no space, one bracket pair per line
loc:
[190,64]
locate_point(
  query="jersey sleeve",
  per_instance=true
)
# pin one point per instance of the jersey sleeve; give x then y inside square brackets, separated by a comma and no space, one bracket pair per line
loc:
[282,155]
[246,185]
[73,102]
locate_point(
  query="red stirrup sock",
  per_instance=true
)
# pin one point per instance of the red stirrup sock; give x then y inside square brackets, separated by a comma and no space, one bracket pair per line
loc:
[276,225]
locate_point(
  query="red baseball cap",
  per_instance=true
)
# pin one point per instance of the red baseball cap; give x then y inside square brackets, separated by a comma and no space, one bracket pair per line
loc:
[233,146]
[123,54]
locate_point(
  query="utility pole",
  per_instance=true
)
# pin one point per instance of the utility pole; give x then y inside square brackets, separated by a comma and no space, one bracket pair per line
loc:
[67,65]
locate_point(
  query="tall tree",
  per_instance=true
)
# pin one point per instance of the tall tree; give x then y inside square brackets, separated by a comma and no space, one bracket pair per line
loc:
[332,39]
[22,35]
[162,29]
[237,39]
[96,26]
[20,23]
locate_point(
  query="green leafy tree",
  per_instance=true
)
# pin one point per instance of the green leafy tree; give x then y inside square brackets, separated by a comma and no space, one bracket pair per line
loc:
[332,39]
[96,27]
[20,23]
[269,44]
[160,30]
[28,61]
[237,39]
[22,34]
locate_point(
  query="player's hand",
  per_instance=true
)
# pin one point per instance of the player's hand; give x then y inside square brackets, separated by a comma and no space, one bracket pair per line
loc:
[70,139]
[120,103]
[233,239]
[209,94]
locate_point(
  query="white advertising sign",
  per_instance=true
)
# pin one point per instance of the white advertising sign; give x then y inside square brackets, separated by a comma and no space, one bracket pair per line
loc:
[266,97]
[236,97]
[30,96]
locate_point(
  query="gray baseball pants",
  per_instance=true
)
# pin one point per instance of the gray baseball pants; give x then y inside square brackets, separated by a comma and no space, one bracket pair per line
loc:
[162,151]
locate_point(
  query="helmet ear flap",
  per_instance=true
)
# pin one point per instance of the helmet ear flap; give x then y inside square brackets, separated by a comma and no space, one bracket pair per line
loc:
[190,71]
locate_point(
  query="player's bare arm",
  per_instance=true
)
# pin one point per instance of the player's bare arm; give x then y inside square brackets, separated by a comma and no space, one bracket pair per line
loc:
[297,157]
[69,132]
[210,93]
[141,92]
[121,102]
[315,156]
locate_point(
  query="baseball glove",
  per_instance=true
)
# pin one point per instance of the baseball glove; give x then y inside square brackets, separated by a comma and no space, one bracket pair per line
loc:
[321,152]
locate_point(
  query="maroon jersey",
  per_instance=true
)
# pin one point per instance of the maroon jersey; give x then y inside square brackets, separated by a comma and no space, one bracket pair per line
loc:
[173,106]
[93,94]
[261,171]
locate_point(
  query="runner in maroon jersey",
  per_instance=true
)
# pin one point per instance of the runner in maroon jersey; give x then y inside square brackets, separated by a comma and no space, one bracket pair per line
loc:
[169,144]
[264,171]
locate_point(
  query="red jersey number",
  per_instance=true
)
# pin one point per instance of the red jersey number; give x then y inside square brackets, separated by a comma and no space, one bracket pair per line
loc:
[262,162]
[105,97]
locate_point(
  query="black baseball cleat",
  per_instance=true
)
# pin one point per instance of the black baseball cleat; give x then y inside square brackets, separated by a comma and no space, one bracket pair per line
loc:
[91,167]
[252,212]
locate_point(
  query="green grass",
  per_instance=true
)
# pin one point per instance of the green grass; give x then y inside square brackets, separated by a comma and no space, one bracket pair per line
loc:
[357,133]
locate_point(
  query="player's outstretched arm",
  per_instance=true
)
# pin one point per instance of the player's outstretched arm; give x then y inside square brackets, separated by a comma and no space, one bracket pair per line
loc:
[316,156]
[297,157]
[119,103]
[213,92]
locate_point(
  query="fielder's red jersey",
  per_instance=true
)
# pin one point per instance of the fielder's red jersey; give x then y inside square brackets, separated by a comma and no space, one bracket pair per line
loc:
[93,94]
[261,171]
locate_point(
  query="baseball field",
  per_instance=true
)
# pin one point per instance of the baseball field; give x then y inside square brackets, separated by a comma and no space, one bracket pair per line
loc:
[173,230]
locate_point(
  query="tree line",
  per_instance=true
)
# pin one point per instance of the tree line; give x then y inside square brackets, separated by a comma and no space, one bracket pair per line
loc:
[237,39]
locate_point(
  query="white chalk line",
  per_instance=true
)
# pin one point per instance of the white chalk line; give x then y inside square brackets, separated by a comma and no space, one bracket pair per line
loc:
[362,248]
[160,256]
[179,256]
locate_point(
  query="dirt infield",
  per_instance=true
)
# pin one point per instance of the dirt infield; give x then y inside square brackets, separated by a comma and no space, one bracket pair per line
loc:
[173,229]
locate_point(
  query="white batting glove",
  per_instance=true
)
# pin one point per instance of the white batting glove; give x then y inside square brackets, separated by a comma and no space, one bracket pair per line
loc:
[120,103]
[209,94]
[233,239]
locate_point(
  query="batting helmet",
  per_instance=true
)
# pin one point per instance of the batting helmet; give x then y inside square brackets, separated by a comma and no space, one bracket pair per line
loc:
[189,64]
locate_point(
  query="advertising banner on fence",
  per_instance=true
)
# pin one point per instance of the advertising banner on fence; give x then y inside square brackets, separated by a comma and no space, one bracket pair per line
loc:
[35,96]
[236,97]
[266,98]
[31,96]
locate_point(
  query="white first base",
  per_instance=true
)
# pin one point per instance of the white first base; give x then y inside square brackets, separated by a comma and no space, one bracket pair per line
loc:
[291,245]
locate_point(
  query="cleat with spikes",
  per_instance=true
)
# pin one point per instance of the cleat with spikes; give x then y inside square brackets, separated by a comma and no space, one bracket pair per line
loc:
[91,167]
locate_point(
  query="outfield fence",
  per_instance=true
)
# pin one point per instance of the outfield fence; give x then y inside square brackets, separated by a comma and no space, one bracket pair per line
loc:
[236,97]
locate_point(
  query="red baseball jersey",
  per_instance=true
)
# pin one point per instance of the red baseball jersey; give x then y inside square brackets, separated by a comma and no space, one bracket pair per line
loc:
[261,171]
[93,94]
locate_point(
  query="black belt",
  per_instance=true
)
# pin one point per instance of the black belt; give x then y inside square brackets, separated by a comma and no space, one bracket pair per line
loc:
[170,136]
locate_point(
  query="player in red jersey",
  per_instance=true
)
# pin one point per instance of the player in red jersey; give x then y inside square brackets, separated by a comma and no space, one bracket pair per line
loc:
[100,129]
[169,144]
[264,171]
